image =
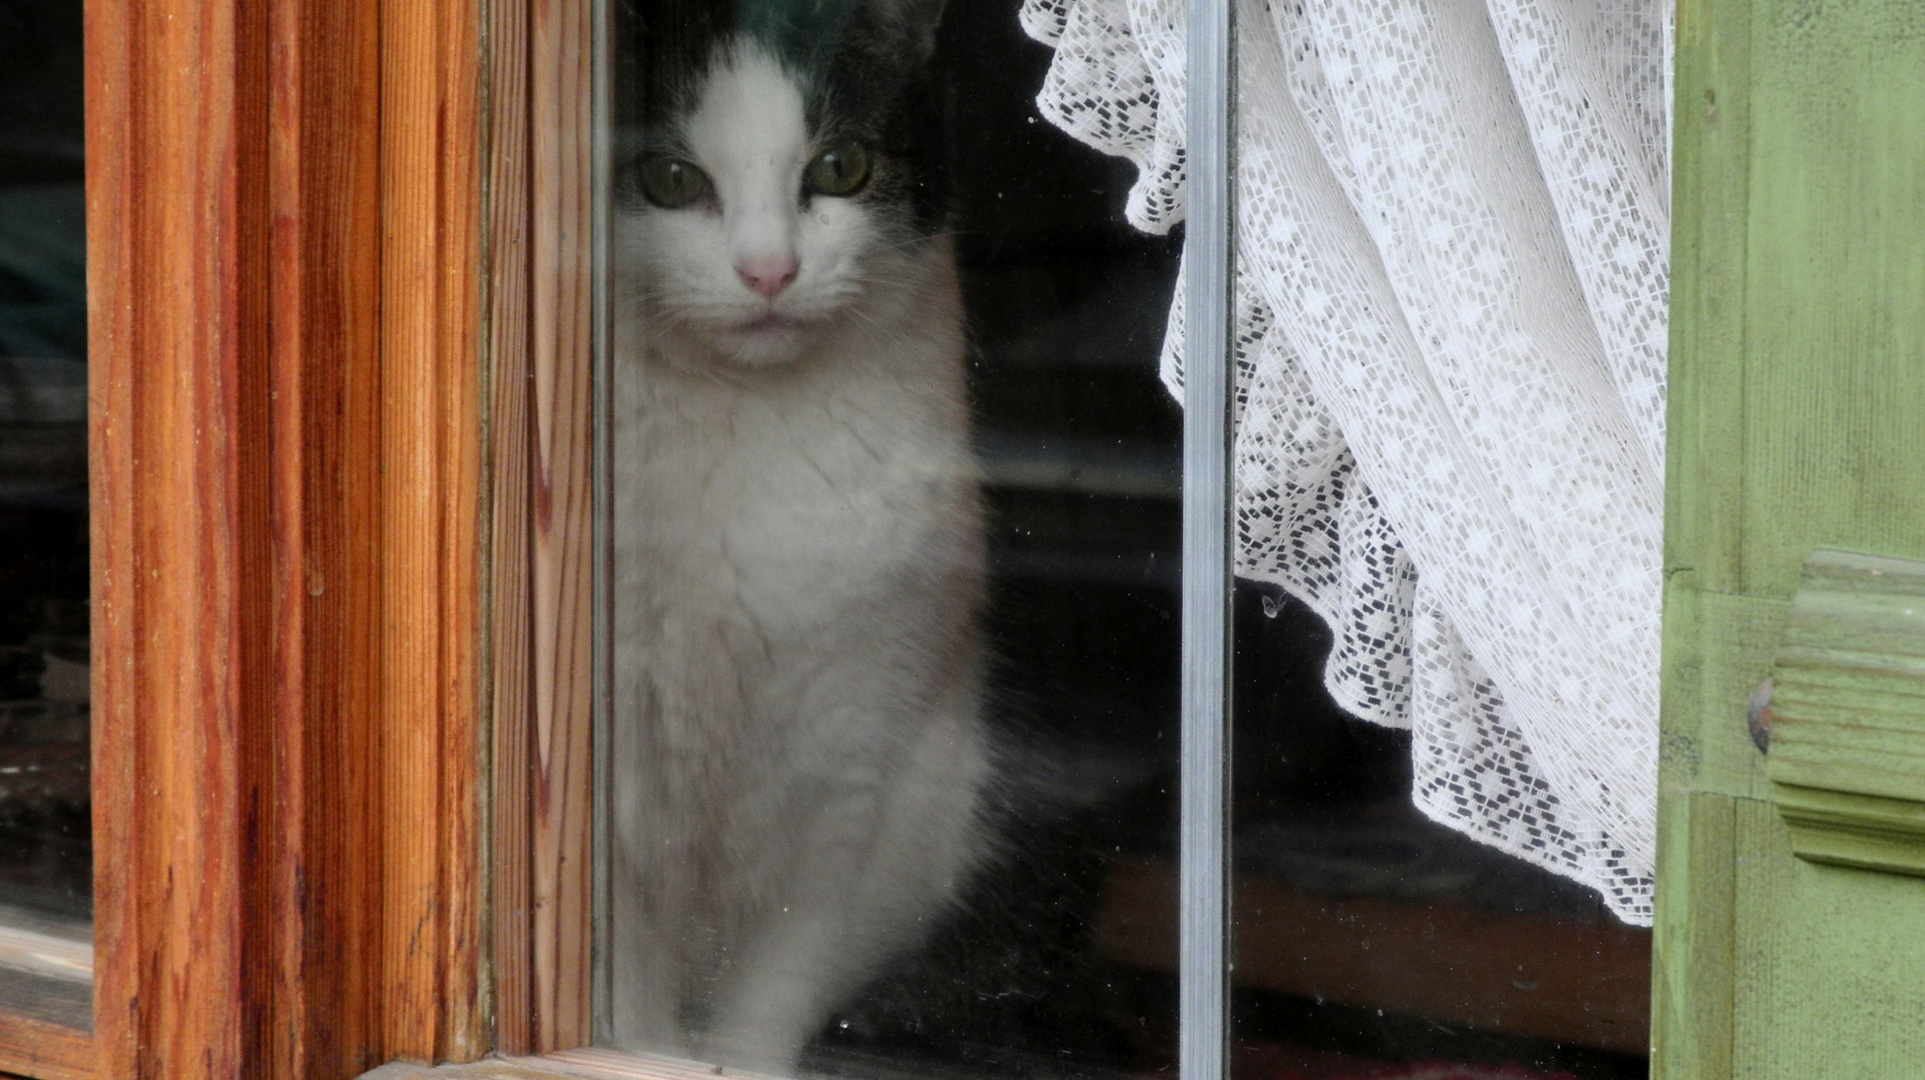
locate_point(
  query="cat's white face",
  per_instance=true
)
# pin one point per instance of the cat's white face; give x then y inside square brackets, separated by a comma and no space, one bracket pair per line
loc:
[755,269]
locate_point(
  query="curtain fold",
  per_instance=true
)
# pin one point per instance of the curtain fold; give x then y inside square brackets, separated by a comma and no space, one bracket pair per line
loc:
[1453,225]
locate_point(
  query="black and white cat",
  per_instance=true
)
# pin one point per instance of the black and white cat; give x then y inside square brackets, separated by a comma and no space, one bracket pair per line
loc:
[799,759]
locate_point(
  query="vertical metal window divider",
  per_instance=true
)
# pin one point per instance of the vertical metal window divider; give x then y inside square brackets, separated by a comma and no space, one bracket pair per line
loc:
[601,208]
[1208,349]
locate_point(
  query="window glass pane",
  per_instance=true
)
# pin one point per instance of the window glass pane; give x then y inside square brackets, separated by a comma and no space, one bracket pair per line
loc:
[46,850]
[895,566]
[1370,940]
[1445,479]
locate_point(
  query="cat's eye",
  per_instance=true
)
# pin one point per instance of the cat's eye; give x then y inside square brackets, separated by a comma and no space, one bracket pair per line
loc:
[842,169]
[671,182]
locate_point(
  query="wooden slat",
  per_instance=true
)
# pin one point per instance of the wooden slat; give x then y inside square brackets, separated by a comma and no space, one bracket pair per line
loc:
[45,1051]
[1695,944]
[563,346]
[430,529]
[314,975]
[176,274]
[582,1064]
[286,472]
[111,244]
[542,360]
[511,442]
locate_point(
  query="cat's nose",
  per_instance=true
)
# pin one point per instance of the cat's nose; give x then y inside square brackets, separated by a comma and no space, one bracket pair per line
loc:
[767,274]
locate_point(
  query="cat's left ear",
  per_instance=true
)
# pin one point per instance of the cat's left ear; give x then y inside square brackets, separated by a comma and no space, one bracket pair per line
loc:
[914,21]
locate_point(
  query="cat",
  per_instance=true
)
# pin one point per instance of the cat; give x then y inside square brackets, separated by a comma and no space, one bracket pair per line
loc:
[799,757]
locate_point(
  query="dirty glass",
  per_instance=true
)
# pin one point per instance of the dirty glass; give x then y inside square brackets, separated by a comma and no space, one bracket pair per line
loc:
[46,850]
[1372,941]
[894,581]
[895,557]
[1367,938]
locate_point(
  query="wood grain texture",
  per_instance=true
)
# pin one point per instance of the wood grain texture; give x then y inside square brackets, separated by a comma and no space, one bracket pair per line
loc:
[1827,964]
[563,354]
[44,1051]
[543,342]
[1703,767]
[1694,944]
[510,444]
[1833,276]
[1729,639]
[176,262]
[430,534]
[1795,393]
[1847,762]
[1849,705]
[1709,202]
[286,474]
[318,938]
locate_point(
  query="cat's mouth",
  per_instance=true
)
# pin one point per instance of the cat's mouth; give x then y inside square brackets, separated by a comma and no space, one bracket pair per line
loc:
[770,323]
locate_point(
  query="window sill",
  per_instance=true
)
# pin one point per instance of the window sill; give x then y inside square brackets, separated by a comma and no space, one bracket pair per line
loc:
[584,1064]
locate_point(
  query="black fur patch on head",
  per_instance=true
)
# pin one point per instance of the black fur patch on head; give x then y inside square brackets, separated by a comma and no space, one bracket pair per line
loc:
[862,66]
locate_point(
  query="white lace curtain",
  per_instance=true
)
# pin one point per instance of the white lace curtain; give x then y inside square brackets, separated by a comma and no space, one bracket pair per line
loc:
[1453,223]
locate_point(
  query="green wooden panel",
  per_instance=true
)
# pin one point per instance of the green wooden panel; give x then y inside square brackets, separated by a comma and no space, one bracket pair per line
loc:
[1834,337]
[1694,949]
[1718,647]
[1797,422]
[1773,968]
[1828,965]
[1710,191]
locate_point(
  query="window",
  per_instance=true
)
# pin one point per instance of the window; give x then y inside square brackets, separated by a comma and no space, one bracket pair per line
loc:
[745,628]
[301,401]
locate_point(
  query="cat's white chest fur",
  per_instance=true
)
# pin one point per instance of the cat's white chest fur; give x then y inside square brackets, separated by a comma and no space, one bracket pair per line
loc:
[794,496]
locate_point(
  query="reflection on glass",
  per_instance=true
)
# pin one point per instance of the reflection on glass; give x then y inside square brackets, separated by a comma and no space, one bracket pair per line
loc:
[894,586]
[1371,941]
[46,863]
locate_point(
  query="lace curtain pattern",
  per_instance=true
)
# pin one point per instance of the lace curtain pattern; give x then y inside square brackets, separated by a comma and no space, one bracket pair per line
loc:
[1453,225]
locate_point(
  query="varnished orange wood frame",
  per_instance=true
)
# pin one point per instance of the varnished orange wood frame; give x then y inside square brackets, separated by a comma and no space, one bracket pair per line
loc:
[284,216]
[541,356]
[34,1048]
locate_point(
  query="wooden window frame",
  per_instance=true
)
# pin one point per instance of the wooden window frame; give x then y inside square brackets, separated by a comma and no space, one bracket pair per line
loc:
[339,451]
[288,448]
[542,339]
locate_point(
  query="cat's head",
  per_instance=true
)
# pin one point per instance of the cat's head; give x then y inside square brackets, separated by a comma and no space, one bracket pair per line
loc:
[777,170]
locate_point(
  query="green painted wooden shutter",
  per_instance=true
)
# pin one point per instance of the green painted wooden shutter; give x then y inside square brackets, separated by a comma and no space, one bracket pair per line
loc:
[1797,424]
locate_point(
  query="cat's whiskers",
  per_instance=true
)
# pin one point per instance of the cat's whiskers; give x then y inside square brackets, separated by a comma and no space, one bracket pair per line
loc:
[895,337]
[915,240]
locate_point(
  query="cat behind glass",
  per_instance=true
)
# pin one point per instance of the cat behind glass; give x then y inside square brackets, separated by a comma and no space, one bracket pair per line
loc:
[798,757]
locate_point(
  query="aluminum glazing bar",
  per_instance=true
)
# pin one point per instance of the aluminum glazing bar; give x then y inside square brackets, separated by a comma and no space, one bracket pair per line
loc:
[1210,261]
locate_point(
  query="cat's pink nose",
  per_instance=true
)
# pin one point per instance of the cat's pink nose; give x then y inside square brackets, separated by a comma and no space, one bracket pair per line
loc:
[767,274]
